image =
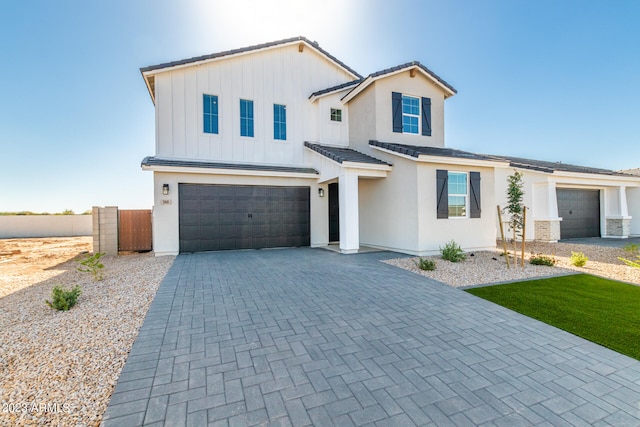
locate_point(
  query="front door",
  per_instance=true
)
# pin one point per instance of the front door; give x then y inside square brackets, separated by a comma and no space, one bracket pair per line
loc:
[334,213]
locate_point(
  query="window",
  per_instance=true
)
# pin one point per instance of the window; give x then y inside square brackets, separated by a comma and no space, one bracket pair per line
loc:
[246,118]
[410,114]
[279,122]
[457,192]
[210,113]
[336,115]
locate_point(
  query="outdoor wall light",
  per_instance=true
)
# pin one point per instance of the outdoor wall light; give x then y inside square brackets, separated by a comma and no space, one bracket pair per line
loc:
[165,189]
[321,192]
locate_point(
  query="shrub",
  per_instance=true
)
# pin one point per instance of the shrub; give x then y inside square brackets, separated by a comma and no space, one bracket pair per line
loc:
[578,259]
[61,299]
[426,264]
[542,259]
[632,248]
[452,252]
[630,263]
[92,265]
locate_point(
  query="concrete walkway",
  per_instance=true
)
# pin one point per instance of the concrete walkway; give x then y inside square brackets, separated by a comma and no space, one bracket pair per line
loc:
[309,337]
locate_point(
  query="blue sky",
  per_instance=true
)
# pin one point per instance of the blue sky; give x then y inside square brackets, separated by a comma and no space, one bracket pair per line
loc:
[553,80]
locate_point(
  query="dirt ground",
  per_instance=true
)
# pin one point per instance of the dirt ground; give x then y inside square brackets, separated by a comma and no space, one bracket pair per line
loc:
[25,262]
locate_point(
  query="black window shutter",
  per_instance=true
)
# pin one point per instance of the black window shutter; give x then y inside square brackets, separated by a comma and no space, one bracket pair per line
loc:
[396,109]
[474,203]
[426,116]
[442,193]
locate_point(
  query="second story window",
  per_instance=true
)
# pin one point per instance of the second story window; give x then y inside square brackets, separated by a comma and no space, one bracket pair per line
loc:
[410,114]
[336,115]
[279,122]
[246,118]
[210,113]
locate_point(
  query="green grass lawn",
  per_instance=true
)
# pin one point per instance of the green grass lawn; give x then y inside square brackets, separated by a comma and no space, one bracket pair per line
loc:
[600,310]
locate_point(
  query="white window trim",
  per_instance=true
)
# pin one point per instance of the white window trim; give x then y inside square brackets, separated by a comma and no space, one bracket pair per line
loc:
[419,115]
[201,117]
[466,196]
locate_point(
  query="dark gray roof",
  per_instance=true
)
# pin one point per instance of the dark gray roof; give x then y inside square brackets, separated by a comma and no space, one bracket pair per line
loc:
[516,162]
[415,151]
[337,87]
[248,49]
[550,167]
[153,161]
[412,64]
[341,155]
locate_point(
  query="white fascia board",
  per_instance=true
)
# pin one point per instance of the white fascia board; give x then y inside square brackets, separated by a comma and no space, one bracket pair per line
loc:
[366,82]
[314,98]
[609,179]
[366,166]
[446,160]
[238,172]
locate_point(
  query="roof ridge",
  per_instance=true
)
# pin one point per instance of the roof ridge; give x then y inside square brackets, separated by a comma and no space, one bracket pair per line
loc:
[251,48]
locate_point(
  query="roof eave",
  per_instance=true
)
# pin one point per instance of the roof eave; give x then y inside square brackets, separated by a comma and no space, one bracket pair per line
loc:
[175,65]
[448,91]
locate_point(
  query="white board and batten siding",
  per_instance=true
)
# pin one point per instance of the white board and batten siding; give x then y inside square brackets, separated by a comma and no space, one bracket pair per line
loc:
[281,75]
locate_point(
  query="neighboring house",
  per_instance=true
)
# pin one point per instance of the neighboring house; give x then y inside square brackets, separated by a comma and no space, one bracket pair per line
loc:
[281,144]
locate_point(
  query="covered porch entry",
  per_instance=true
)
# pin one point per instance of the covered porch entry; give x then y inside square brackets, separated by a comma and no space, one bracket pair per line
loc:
[340,170]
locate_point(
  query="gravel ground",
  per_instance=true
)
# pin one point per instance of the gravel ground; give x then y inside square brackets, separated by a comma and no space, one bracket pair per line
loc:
[489,267]
[59,368]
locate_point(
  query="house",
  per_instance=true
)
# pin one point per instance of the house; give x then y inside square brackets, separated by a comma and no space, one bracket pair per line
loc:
[282,144]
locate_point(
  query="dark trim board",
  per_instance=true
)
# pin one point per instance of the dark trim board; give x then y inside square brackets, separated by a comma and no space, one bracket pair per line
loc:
[227,217]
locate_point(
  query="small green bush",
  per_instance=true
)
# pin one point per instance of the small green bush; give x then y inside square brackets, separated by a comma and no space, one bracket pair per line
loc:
[426,264]
[632,248]
[452,252]
[92,265]
[630,263]
[542,259]
[61,299]
[578,259]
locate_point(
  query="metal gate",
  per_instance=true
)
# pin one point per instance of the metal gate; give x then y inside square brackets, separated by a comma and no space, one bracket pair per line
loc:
[134,230]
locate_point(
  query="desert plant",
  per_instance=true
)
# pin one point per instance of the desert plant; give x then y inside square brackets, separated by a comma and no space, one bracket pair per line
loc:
[578,259]
[515,208]
[426,264]
[91,264]
[630,263]
[542,259]
[452,252]
[62,299]
[632,248]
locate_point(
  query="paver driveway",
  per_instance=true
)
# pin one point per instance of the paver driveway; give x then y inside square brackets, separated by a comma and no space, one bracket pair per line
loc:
[306,336]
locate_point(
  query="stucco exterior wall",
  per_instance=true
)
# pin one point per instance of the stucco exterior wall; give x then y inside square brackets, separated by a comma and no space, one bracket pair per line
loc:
[166,209]
[633,202]
[418,86]
[388,208]
[281,75]
[332,132]
[469,233]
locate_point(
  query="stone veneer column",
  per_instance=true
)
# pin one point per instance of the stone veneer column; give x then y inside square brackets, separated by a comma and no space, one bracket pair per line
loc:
[547,230]
[618,227]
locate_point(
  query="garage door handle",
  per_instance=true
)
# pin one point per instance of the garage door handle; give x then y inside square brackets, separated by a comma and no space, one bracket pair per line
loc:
[250,215]
[570,212]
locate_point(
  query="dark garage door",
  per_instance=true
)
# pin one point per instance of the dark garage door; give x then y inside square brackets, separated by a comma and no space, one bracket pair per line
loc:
[580,213]
[223,217]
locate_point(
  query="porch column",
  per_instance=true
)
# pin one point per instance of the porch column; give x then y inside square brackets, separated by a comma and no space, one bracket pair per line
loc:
[349,216]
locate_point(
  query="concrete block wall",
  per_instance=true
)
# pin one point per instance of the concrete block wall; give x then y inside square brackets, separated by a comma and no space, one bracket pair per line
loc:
[105,230]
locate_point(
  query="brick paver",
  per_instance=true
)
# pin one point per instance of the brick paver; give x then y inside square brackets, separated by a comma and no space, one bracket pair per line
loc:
[310,337]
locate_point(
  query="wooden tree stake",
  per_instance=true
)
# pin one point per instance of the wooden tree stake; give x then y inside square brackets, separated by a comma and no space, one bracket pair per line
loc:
[504,242]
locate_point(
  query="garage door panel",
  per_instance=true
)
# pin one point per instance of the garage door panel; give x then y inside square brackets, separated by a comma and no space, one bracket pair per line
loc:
[580,212]
[223,217]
